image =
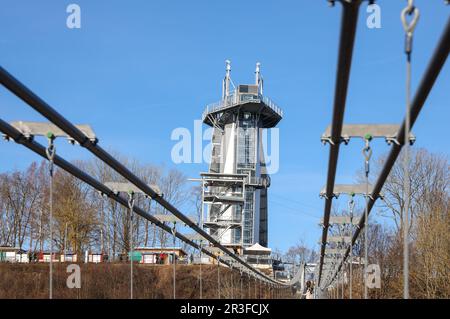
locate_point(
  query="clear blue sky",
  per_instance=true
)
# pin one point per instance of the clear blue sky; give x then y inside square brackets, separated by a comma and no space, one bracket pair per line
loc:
[138,69]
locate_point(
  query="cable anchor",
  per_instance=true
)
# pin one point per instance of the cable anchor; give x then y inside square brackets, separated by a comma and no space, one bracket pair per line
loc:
[409,26]
[50,151]
[367,152]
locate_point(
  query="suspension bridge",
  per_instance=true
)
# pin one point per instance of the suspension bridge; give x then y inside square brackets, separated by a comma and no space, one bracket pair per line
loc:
[336,252]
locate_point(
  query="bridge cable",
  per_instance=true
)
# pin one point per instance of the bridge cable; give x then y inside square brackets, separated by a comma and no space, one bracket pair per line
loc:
[174,260]
[241,282]
[409,27]
[351,206]
[50,151]
[21,91]
[218,277]
[367,152]
[201,262]
[12,133]
[131,208]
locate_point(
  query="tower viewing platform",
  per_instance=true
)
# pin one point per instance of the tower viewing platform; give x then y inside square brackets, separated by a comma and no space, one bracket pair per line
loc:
[245,98]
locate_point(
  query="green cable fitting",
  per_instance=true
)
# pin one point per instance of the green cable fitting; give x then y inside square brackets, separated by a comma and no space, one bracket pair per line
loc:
[50,135]
[368,137]
[352,194]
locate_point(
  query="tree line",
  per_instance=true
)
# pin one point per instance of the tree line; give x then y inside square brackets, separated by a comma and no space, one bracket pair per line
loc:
[82,218]
[429,229]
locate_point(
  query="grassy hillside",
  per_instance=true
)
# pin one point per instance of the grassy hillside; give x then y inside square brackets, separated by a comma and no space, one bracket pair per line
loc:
[112,281]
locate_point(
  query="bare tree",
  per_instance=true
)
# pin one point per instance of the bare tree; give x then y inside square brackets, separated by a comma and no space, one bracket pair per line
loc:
[299,253]
[431,255]
[75,212]
[429,179]
[429,225]
[21,195]
[173,186]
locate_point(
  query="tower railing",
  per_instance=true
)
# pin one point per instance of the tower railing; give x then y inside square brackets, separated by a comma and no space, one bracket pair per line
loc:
[233,100]
[259,181]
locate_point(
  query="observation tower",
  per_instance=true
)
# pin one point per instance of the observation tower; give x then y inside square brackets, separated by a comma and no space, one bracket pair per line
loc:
[234,190]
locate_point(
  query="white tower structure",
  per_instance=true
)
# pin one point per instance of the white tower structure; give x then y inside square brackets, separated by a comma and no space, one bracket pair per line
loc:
[235,187]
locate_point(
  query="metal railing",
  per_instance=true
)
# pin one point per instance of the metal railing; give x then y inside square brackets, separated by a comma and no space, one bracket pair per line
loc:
[233,100]
[258,260]
[259,181]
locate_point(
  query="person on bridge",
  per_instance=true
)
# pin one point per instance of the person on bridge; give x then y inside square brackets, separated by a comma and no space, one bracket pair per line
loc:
[309,293]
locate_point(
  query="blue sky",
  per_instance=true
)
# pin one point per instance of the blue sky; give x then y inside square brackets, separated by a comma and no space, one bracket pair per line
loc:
[136,70]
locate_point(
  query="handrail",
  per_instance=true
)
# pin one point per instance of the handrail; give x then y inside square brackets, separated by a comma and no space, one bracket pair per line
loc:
[232,100]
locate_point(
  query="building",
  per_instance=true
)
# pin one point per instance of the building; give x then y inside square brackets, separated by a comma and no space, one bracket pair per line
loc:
[95,258]
[69,257]
[159,255]
[259,257]
[234,190]
[44,257]
[282,276]
[13,255]
[197,260]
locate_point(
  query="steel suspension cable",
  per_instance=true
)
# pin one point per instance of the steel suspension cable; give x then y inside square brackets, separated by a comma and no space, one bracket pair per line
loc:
[427,82]
[201,262]
[12,133]
[174,260]
[249,287]
[241,279]
[50,151]
[351,206]
[21,91]
[367,152]
[349,20]
[218,277]
[19,138]
[342,277]
[53,116]
[409,29]
[130,220]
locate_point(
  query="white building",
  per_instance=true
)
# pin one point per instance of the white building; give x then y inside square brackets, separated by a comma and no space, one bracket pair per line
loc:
[13,255]
[235,188]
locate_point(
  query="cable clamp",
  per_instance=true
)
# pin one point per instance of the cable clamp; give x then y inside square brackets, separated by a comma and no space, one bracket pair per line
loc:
[409,27]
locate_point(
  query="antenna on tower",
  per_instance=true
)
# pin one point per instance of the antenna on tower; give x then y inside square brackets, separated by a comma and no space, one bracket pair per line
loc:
[226,81]
[258,78]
